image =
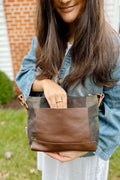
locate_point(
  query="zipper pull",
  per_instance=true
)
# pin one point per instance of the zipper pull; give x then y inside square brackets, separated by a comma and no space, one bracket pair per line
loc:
[22,101]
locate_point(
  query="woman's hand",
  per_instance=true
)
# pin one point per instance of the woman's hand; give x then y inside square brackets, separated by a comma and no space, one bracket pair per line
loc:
[55,95]
[66,156]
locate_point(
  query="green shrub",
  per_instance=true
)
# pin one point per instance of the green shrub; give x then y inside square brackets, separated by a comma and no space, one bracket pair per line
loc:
[6,88]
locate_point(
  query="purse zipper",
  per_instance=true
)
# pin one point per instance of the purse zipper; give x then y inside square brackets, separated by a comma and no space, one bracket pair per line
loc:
[23,102]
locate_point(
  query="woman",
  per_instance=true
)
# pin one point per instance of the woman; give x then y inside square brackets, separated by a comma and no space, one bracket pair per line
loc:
[75,53]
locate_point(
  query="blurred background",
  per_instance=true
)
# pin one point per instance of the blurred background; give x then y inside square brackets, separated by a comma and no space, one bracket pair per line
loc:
[17,17]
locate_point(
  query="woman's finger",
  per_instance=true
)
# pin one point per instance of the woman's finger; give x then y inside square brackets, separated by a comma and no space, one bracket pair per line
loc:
[58,101]
[58,157]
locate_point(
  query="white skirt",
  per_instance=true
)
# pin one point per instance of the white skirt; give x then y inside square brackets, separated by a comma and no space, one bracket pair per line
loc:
[87,168]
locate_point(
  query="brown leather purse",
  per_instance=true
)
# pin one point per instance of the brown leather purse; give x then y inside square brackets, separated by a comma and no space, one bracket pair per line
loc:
[52,130]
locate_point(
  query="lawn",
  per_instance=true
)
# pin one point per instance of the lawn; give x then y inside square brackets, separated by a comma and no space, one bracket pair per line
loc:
[22,163]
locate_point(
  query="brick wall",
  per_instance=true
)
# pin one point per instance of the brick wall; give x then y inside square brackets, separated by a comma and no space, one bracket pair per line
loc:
[20,16]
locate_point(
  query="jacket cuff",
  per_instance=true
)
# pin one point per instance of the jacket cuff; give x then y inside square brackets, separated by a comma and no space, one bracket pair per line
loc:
[27,91]
[99,152]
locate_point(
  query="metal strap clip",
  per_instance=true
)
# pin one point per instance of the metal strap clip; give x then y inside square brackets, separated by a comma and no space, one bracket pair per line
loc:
[22,101]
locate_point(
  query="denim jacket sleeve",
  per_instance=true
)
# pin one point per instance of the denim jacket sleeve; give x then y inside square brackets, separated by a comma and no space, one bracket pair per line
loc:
[109,115]
[109,119]
[26,75]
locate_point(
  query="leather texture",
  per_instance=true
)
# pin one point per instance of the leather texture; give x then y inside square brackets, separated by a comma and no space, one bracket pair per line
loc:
[74,128]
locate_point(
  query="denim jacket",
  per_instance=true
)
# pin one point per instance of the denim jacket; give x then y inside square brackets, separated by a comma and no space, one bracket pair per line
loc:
[109,111]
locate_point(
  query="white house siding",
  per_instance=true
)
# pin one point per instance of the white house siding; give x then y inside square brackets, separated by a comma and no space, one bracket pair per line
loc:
[112,12]
[5,54]
[119,17]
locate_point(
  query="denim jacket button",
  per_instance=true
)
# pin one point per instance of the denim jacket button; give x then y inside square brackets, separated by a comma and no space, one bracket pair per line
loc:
[60,81]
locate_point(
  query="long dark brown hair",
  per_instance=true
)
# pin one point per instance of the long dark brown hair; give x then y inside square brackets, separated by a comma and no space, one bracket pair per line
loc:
[95,44]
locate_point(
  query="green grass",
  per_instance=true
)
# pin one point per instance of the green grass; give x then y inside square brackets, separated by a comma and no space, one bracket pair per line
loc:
[114,170]
[14,139]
